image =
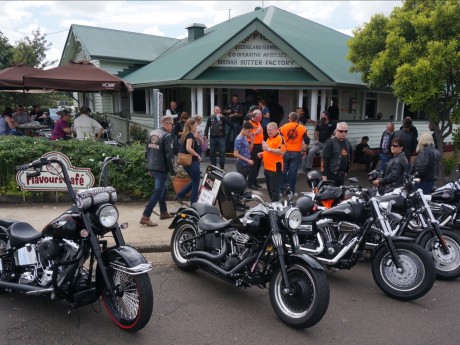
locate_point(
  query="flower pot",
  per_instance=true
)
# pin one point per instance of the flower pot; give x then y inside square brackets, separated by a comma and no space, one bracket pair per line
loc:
[180,183]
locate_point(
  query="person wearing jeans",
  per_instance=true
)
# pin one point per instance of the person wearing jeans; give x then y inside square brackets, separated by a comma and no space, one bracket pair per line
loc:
[215,127]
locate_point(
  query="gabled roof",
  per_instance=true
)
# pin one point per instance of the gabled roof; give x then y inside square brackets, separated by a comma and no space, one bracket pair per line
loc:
[319,50]
[118,45]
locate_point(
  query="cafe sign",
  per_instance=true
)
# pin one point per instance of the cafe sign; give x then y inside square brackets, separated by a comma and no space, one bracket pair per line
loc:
[256,51]
[51,177]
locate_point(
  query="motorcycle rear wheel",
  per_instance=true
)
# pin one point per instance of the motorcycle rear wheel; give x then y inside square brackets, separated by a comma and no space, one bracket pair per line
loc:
[183,231]
[447,265]
[131,309]
[309,301]
[417,277]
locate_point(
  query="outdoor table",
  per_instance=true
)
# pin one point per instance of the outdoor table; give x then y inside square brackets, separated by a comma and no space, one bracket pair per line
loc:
[30,128]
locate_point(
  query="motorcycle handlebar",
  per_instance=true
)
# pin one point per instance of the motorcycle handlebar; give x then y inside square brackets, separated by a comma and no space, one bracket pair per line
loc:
[35,164]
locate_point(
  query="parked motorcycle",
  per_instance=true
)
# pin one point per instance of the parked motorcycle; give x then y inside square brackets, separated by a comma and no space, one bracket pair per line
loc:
[251,249]
[338,236]
[70,261]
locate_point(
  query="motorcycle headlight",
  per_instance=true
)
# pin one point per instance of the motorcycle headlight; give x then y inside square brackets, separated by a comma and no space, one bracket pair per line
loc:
[107,215]
[293,219]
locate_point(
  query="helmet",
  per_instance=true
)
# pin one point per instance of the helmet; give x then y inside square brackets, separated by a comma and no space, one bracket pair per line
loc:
[313,178]
[374,175]
[305,204]
[233,182]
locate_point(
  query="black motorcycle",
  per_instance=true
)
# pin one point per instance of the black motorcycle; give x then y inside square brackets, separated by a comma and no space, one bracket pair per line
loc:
[338,237]
[70,261]
[251,249]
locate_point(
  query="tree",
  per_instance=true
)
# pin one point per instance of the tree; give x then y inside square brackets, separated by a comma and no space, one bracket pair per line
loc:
[6,52]
[33,51]
[416,51]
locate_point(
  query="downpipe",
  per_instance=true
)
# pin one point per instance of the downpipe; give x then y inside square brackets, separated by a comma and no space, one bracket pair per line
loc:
[319,249]
[219,270]
[337,258]
[28,289]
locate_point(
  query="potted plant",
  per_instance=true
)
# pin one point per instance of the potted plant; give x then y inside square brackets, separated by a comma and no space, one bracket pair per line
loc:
[180,180]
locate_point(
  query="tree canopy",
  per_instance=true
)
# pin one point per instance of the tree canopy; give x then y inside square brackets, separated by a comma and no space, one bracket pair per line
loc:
[6,52]
[32,51]
[416,51]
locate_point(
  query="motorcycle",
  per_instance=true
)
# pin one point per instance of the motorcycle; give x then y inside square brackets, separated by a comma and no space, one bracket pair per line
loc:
[251,249]
[338,236]
[69,260]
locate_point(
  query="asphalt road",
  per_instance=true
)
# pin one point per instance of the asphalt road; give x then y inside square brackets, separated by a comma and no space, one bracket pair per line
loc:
[196,308]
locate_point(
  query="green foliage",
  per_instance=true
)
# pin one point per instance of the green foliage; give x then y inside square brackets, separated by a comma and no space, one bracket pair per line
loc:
[32,51]
[450,164]
[138,134]
[132,179]
[6,52]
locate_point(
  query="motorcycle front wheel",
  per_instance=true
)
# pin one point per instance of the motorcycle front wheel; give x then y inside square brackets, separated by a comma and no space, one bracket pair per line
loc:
[447,265]
[305,305]
[183,232]
[131,307]
[417,275]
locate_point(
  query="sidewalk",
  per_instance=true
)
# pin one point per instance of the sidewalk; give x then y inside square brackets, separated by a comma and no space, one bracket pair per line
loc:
[145,239]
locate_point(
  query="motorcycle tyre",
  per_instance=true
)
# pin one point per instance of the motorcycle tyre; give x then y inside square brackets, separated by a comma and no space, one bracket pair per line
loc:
[315,311]
[143,292]
[382,255]
[182,229]
[453,242]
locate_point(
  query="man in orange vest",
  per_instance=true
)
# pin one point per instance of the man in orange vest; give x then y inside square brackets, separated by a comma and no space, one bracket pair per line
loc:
[296,138]
[272,155]
[257,137]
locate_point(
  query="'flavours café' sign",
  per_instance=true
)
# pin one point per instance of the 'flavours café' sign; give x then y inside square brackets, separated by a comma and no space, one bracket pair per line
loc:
[51,177]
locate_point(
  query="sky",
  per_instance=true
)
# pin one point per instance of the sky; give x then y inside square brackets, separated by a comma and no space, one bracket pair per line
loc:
[166,18]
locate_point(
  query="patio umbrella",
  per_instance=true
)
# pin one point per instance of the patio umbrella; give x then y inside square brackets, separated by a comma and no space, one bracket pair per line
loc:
[77,76]
[11,77]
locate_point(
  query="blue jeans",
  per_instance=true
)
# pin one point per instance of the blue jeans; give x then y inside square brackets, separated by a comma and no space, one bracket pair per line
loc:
[217,144]
[426,186]
[159,193]
[232,129]
[384,158]
[194,173]
[292,161]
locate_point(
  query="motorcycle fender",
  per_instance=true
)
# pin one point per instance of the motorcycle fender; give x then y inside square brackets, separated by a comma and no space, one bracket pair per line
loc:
[187,214]
[308,260]
[130,255]
[395,240]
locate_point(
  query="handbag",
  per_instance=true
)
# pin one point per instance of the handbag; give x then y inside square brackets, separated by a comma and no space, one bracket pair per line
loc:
[184,159]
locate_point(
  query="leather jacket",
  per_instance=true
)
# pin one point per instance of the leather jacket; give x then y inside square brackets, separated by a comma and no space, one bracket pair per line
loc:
[426,165]
[395,169]
[159,151]
[332,155]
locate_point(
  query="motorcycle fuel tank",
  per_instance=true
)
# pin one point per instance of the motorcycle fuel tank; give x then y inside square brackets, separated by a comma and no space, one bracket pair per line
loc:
[443,196]
[352,211]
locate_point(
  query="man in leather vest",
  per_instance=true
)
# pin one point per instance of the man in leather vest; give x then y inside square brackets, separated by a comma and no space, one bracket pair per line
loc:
[159,153]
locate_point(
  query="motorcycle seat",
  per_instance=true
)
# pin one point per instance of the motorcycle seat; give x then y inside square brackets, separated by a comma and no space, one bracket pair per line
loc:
[22,233]
[6,223]
[213,222]
[203,209]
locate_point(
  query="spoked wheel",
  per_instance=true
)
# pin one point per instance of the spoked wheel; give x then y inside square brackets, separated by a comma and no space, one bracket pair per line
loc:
[131,306]
[180,245]
[447,265]
[305,305]
[414,280]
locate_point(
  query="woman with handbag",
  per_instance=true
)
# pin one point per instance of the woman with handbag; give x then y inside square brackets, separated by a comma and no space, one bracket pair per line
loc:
[188,145]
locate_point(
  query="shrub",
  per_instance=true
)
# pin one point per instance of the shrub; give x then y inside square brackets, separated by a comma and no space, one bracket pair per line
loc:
[138,134]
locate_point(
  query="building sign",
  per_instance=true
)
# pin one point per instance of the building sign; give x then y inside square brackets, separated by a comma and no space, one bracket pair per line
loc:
[52,179]
[256,51]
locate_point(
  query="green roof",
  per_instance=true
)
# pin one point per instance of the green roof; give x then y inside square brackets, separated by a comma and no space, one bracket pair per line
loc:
[117,44]
[319,50]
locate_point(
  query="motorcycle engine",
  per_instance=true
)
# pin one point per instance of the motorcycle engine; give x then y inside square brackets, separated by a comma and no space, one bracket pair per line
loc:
[239,248]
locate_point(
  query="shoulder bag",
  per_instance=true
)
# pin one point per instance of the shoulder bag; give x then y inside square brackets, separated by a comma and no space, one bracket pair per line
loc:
[185,158]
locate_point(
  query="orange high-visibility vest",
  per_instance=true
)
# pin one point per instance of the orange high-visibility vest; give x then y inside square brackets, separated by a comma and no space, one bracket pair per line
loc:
[272,161]
[258,138]
[293,133]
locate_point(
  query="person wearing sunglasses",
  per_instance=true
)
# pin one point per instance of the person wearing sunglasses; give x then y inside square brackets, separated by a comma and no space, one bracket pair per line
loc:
[336,156]
[395,169]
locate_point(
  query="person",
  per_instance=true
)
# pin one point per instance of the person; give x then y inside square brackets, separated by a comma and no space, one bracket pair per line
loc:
[303,117]
[333,112]
[272,156]
[234,121]
[87,127]
[336,156]
[385,144]
[242,150]
[172,111]
[395,169]
[61,127]
[7,125]
[364,154]
[189,144]
[215,128]
[426,164]
[37,115]
[199,135]
[412,129]
[409,139]
[257,137]
[323,131]
[250,112]
[296,139]
[178,130]
[20,117]
[265,115]
[159,157]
